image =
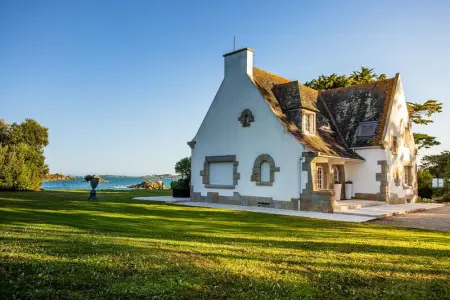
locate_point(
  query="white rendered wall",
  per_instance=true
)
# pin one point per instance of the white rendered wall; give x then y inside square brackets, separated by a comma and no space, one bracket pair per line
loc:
[222,134]
[398,120]
[363,174]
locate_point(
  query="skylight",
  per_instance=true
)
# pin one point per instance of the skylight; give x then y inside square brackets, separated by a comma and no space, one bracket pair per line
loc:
[367,128]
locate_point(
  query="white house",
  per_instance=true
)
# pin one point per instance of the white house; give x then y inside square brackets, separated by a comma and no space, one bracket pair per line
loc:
[270,141]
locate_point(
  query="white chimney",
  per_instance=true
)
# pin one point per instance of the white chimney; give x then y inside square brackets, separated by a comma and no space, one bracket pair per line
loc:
[239,62]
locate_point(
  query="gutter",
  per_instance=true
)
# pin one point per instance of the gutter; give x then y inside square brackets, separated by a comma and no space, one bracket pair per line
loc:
[367,147]
[344,158]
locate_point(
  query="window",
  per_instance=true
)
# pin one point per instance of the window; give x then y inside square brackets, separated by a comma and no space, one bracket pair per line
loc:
[309,123]
[265,172]
[319,178]
[221,173]
[394,145]
[408,175]
[407,136]
[366,128]
[336,174]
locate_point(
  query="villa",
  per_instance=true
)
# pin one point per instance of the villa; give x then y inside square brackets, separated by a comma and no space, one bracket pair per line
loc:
[270,141]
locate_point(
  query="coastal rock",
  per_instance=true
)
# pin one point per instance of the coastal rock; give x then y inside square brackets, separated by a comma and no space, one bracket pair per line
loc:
[89,177]
[58,177]
[102,180]
[148,185]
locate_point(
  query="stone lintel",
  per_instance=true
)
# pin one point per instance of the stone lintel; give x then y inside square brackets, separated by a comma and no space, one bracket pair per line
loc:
[264,183]
[220,158]
[219,186]
[310,154]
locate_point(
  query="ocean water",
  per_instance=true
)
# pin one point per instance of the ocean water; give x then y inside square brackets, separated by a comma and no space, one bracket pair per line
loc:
[114,183]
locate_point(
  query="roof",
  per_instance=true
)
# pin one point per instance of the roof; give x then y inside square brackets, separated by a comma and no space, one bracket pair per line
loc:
[279,91]
[350,106]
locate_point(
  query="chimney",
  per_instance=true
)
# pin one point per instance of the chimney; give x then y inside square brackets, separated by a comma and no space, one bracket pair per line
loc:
[239,62]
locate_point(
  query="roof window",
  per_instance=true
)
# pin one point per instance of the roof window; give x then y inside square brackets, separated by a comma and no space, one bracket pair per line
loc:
[367,128]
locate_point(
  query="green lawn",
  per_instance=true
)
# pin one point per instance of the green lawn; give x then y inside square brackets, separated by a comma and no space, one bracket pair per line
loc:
[58,245]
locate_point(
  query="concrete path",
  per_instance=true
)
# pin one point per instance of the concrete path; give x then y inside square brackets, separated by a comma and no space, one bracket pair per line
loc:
[434,219]
[386,210]
[363,214]
[167,199]
[285,212]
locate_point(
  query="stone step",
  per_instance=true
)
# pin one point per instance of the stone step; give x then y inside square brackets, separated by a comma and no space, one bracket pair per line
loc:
[347,207]
[388,210]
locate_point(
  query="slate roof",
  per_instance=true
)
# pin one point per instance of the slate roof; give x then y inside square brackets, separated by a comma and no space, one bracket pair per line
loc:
[291,94]
[338,111]
[359,103]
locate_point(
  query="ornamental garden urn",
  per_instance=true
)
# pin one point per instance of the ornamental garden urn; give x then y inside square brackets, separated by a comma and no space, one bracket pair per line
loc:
[94,183]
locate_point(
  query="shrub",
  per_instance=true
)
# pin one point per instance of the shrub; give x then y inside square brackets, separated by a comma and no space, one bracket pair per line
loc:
[425,200]
[424,182]
[182,184]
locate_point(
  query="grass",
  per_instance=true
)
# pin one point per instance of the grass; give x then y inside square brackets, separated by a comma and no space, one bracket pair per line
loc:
[58,245]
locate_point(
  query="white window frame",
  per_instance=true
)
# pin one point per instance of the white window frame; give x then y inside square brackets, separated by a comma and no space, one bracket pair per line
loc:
[319,178]
[309,122]
[336,174]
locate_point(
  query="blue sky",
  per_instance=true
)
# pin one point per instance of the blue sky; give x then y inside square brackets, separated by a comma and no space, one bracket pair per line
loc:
[123,85]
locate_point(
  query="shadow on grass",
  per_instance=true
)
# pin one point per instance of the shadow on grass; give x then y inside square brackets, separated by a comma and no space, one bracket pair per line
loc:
[176,252]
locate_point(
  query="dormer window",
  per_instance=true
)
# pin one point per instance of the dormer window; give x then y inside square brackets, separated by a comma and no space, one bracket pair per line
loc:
[309,122]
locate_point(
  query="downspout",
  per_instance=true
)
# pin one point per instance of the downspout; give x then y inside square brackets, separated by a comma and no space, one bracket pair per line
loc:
[301,173]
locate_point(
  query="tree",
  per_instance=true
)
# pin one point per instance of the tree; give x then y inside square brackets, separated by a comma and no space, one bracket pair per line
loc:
[183,167]
[423,140]
[436,164]
[22,161]
[419,113]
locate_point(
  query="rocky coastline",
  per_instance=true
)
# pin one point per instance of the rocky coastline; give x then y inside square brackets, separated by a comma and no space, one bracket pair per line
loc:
[59,177]
[148,185]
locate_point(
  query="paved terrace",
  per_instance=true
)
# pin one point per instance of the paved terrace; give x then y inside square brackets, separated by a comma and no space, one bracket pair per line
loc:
[358,215]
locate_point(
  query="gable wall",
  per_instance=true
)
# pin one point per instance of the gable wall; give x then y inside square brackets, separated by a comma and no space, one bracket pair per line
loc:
[222,134]
[397,121]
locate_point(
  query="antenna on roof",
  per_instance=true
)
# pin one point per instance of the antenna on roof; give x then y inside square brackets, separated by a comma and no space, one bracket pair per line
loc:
[234,43]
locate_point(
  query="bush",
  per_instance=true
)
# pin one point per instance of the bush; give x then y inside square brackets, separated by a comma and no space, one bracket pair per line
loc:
[182,184]
[438,191]
[424,182]
[425,200]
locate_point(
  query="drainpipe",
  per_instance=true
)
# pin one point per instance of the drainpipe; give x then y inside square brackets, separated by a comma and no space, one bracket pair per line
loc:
[301,173]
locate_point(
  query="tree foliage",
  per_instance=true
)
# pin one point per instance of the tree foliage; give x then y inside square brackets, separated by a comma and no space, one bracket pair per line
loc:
[365,75]
[22,161]
[436,163]
[423,140]
[419,113]
[183,167]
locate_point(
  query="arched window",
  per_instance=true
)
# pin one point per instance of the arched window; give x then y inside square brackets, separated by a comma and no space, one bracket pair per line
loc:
[319,178]
[336,174]
[265,171]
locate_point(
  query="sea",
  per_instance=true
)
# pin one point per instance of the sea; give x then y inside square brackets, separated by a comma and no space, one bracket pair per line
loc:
[114,183]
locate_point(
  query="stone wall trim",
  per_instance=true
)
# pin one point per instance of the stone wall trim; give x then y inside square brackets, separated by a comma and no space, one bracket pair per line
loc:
[218,159]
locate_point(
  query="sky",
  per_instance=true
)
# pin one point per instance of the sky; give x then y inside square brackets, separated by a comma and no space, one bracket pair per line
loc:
[123,85]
